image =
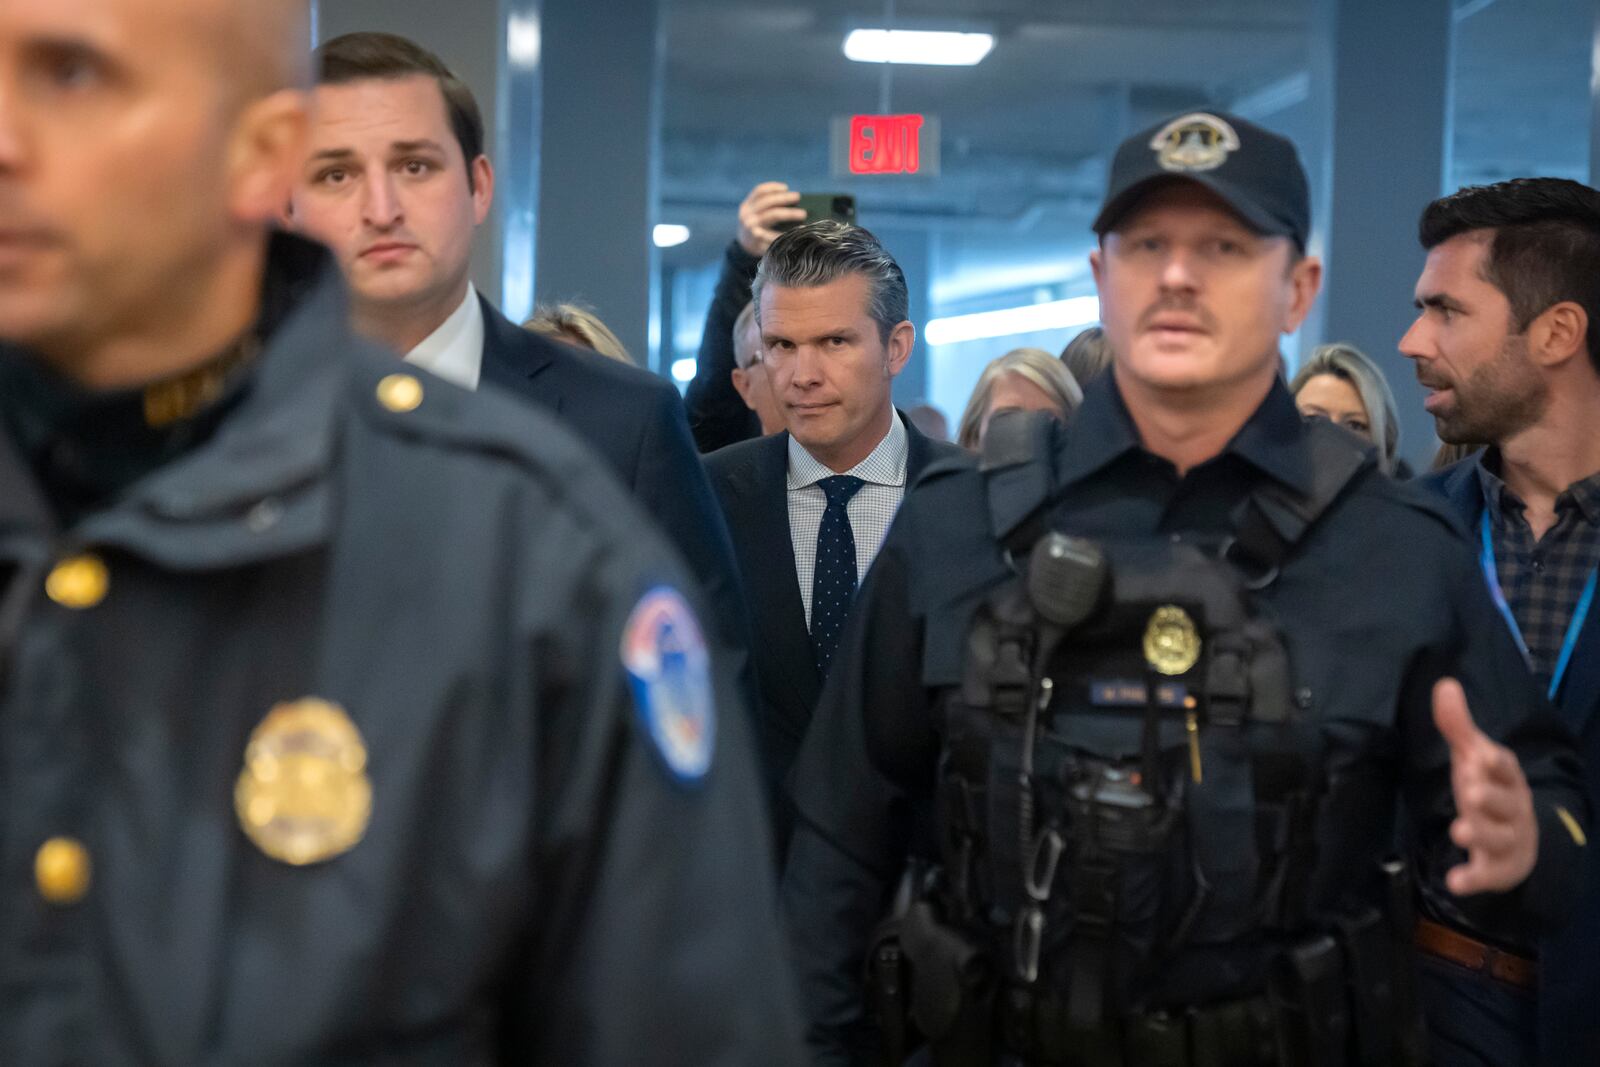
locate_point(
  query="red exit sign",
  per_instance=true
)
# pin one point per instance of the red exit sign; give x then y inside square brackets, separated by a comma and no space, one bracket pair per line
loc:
[886,144]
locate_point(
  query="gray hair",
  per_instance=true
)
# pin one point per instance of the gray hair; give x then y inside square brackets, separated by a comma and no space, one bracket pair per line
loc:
[1349,363]
[741,325]
[824,251]
[1033,365]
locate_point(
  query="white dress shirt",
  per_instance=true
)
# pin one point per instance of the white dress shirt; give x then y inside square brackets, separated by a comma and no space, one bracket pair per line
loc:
[455,350]
[871,510]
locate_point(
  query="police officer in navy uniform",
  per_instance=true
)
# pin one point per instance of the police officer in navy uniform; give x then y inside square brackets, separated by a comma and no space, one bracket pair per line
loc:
[335,725]
[1128,711]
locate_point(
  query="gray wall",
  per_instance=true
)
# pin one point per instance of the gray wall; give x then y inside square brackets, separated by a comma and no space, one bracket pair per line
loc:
[1383,72]
[598,155]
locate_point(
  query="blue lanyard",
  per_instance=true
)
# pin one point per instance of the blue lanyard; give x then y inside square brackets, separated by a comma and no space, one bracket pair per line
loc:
[1579,613]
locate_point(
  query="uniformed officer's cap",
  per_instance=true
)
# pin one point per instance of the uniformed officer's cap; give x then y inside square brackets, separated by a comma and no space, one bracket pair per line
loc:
[1256,172]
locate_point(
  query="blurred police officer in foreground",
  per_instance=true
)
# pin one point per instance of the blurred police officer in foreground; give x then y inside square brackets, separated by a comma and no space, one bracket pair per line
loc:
[1137,698]
[333,726]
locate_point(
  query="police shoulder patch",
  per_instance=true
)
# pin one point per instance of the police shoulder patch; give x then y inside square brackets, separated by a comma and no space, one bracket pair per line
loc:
[669,670]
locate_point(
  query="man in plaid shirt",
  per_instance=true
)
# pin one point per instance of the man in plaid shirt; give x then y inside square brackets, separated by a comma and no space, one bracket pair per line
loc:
[1507,340]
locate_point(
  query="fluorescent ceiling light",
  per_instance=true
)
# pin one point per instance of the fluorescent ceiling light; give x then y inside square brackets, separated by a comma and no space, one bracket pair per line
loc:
[523,41]
[936,48]
[683,369]
[1031,318]
[669,234]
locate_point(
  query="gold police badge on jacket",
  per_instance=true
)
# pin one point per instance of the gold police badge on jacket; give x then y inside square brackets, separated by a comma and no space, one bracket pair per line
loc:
[1171,642]
[304,796]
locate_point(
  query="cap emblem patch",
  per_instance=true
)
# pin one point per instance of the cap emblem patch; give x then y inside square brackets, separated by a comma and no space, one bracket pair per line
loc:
[1194,142]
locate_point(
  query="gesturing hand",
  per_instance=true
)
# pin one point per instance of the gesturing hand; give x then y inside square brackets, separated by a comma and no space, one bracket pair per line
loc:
[767,205]
[1494,806]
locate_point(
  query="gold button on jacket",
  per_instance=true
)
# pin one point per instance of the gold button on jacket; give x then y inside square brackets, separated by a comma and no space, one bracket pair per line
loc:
[61,870]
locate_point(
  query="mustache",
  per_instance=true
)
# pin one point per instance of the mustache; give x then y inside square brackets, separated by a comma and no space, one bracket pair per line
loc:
[17,222]
[1187,308]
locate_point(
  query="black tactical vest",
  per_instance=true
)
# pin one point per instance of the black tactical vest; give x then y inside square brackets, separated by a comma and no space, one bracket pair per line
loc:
[1124,773]
[1112,791]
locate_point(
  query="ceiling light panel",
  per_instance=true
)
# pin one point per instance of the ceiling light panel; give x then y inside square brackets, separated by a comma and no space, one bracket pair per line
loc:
[934,48]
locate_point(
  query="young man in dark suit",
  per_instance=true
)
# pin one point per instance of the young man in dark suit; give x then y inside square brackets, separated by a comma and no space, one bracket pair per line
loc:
[1508,343]
[396,184]
[809,507]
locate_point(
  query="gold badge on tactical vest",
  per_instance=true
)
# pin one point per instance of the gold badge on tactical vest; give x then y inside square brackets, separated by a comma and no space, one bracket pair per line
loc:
[304,796]
[1194,142]
[1171,642]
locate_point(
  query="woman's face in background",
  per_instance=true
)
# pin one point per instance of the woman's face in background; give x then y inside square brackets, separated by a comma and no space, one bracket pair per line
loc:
[1335,399]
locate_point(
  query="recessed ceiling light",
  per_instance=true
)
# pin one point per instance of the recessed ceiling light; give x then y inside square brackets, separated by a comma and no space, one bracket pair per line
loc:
[670,234]
[937,48]
[1030,318]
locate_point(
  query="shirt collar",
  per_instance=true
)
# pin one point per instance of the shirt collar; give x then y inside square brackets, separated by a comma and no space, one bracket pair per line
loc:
[1498,496]
[885,465]
[1586,494]
[1274,440]
[1102,430]
[454,351]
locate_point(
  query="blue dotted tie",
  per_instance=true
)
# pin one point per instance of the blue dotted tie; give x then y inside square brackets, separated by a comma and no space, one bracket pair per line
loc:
[833,583]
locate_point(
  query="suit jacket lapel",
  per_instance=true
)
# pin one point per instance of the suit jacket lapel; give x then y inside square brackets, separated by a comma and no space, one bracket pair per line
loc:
[1583,678]
[512,358]
[1464,490]
[919,450]
[782,619]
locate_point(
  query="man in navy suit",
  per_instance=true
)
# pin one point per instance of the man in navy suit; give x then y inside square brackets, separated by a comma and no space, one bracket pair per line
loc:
[809,507]
[396,184]
[1508,343]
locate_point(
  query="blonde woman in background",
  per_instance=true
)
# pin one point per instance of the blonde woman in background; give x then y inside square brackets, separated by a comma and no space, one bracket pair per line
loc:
[575,325]
[1025,379]
[1087,355]
[1341,383]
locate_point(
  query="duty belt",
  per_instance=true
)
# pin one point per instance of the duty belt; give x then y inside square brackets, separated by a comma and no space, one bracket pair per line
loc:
[1237,1033]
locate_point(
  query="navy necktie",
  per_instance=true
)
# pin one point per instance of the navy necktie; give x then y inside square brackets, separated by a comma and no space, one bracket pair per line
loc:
[833,582]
